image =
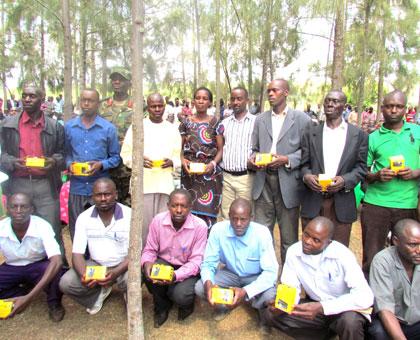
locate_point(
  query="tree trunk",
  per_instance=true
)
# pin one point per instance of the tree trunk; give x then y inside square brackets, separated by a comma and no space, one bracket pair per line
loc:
[75,77]
[42,63]
[363,66]
[184,81]
[68,101]
[381,75]
[83,42]
[197,29]
[337,79]
[92,63]
[3,55]
[217,44]
[134,309]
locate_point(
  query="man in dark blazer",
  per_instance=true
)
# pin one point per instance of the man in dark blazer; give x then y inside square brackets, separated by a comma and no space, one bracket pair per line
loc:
[277,184]
[338,150]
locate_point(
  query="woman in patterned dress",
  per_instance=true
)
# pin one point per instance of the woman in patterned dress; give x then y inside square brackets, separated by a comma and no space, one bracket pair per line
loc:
[202,142]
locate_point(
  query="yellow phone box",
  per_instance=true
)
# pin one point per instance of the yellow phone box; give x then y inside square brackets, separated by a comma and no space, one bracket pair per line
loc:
[285,298]
[396,163]
[197,168]
[162,272]
[95,273]
[223,296]
[157,163]
[5,308]
[324,181]
[35,162]
[80,169]
[263,158]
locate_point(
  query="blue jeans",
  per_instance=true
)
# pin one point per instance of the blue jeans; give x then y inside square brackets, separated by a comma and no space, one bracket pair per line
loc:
[377,331]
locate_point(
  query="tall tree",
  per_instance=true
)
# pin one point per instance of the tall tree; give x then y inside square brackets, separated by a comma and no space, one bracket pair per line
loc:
[337,78]
[135,313]
[68,101]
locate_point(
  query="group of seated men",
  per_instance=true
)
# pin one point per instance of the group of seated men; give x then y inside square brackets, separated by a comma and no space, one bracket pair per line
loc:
[237,254]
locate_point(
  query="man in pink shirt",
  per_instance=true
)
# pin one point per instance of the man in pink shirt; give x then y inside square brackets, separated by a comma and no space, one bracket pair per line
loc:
[176,238]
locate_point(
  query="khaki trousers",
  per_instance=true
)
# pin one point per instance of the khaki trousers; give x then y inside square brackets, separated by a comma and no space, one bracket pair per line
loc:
[233,188]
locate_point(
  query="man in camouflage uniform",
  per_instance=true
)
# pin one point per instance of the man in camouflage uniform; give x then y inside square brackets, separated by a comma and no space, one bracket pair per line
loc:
[118,109]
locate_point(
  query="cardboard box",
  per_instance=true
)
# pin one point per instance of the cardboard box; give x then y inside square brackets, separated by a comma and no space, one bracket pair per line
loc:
[35,162]
[396,163]
[95,273]
[324,181]
[285,298]
[197,168]
[263,158]
[162,272]
[80,169]
[222,296]
[6,308]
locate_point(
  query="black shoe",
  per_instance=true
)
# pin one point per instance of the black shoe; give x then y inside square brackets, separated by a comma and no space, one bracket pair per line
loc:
[56,313]
[160,318]
[185,312]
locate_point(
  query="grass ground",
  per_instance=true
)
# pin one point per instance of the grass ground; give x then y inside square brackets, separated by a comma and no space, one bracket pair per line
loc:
[111,321]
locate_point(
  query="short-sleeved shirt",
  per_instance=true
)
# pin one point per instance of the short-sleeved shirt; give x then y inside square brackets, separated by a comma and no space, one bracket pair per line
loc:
[392,288]
[383,144]
[108,246]
[37,244]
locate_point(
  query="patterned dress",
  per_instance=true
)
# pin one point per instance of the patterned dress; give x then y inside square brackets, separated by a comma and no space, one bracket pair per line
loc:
[200,146]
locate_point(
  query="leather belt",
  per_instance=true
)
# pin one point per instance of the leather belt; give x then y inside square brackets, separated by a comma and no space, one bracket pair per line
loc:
[236,173]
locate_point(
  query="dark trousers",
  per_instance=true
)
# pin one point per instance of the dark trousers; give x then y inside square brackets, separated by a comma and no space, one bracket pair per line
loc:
[182,293]
[347,325]
[77,205]
[270,208]
[377,331]
[376,223]
[342,230]
[19,280]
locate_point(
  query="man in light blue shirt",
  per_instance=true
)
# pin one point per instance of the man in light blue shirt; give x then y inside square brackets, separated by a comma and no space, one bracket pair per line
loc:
[250,265]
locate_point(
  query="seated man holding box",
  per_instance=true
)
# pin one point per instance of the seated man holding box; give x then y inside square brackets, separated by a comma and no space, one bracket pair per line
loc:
[33,260]
[337,292]
[104,228]
[395,281]
[246,249]
[172,257]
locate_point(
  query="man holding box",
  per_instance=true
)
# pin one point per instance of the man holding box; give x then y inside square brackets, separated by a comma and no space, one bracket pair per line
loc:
[104,229]
[338,151]
[176,238]
[250,265]
[33,134]
[32,259]
[89,139]
[337,292]
[276,184]
[391,195]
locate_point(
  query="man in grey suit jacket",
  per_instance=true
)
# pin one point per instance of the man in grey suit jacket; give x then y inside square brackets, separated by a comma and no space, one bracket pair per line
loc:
[277,185]
[338,150]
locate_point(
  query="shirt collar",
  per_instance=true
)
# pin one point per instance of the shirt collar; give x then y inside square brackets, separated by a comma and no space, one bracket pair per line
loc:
[78,122]
[245,239]
[384,130]
[188,224]
[26,119]
[329,252]
[281,113]
[6,230]
[342,126]
[247,116]
[118,212]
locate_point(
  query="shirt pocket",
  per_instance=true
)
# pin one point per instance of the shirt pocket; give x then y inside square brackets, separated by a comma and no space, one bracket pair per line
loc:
[253,265]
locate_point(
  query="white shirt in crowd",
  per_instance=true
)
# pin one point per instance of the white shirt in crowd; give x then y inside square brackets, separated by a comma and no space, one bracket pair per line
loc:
[333,142]
[277,121]
[237,148]
[108,246]
[335,278]
[37,244]
[161,140]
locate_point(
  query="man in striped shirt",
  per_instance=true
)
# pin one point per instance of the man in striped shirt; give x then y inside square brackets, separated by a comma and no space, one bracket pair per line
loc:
[237,180]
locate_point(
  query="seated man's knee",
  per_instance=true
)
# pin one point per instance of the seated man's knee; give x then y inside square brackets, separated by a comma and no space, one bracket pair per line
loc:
[350,321]
[68,280]
[199,288]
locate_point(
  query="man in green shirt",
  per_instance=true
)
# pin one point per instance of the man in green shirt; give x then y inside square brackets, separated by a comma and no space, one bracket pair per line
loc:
[391,195]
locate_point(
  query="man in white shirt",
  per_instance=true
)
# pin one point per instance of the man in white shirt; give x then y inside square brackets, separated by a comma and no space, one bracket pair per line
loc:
[162,148]
[237,181]
[336,289]
[339,151]
[32,256]
[104,228]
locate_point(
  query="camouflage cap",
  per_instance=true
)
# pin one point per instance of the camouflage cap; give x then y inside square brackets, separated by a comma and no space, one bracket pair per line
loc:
[121,71]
